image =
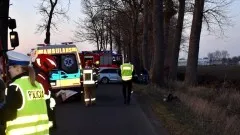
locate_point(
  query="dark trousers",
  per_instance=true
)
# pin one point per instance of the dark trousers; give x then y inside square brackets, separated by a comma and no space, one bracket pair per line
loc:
[127,90]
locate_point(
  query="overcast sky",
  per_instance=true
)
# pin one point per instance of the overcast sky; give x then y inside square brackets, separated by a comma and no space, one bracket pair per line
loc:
[25,13]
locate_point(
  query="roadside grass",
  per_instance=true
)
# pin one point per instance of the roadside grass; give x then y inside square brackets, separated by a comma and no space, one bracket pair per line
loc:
[196,110]
[173,116]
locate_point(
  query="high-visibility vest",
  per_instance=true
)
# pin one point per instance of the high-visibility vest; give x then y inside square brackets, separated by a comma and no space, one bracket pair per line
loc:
[126,71]
[32,116]
[88,77]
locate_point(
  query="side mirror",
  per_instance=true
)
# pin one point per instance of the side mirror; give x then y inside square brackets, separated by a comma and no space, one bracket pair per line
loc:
[12,24]
[14,39]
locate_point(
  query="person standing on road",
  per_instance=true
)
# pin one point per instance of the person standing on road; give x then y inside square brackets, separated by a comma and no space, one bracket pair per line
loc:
[127,70]
[89,84]
[25,110]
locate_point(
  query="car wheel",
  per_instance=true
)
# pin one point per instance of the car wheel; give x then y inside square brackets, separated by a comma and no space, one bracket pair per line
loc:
[105,80]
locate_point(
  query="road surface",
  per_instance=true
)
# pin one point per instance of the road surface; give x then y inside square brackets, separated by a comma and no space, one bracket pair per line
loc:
[109,117]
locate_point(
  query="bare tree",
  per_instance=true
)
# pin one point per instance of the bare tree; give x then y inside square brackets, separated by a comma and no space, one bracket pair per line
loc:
[218,55]
[97,26]
[50,10]
[135,7]
[191,70]
[215,15]
[210,57]
[225,54]
[158,37]
[169,12]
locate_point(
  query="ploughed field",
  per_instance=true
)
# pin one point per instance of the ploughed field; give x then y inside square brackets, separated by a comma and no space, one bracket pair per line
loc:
[216,76]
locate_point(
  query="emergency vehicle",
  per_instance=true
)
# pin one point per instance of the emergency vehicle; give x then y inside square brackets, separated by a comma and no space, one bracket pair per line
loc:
[105,58]
[68,73]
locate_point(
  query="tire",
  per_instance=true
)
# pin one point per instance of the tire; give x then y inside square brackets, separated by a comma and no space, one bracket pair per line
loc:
[105,80]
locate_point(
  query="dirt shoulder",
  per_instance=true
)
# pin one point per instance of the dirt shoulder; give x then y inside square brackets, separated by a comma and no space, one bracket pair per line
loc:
[168,115]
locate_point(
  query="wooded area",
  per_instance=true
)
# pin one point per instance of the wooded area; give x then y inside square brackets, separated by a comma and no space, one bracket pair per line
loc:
[150,32]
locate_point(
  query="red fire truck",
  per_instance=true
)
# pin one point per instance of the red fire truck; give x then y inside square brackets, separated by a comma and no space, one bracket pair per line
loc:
[105,58]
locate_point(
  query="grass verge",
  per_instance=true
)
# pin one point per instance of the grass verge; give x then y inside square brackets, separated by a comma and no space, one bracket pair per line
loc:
[172,116]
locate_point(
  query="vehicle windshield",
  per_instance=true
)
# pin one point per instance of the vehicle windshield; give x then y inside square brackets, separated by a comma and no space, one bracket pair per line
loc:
[67,63]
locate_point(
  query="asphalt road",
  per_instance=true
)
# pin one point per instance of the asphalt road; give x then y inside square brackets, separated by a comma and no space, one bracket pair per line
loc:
[109,117]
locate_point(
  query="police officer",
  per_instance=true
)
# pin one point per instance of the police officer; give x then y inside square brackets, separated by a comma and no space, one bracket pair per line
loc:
[127,73]
[89,84]
[25,110]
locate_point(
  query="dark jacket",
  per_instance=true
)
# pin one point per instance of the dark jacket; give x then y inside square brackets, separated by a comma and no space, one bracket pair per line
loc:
[13,101]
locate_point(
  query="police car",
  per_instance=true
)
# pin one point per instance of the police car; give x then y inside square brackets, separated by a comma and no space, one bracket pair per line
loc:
[109,74]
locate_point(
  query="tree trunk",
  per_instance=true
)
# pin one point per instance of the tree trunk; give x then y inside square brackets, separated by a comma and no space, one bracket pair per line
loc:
[101,41]
[106,40]
[110,27]
[145,36]
[168,14]
[129,51]
[191,70]
[167,46]
[177,41]
[48,34]
[158,37]
[98,47]
[134,45]
[150,46]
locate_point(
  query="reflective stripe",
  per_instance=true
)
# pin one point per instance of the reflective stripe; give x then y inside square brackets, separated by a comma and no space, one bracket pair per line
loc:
[88,82]
[52,62]
[38,62]
[87,99]
[52,102]
[41,76]
[27,119]
[50,124]
[87,71]
[24,77]
[93,99]
[126,78]
[127,68]
[29,130]
[6,91]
